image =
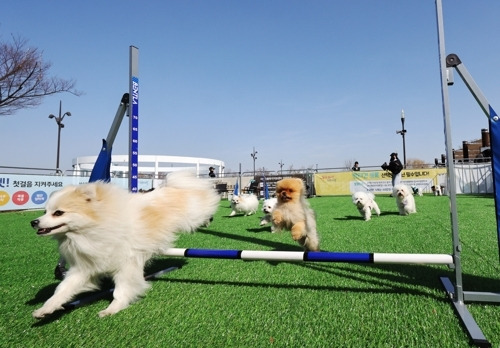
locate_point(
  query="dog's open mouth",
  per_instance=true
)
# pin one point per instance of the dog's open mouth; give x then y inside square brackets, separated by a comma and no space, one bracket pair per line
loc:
[285,198]
[42,231]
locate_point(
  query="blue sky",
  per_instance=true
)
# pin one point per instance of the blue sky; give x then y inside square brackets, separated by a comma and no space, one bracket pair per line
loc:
[307,83]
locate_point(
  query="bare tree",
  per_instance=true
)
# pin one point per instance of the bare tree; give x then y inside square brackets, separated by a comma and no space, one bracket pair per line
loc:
[415,163]
[24,77]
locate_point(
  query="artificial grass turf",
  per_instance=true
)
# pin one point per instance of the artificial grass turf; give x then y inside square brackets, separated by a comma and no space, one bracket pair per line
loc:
[235,303]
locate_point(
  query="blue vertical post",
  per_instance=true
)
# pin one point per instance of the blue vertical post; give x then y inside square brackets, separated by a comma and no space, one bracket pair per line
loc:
[133,161]
[495,164]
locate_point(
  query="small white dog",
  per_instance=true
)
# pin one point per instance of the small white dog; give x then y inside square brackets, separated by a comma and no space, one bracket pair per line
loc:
[105,231]
[246,204]
[437,190]
[267,209]
[365,202]
[404,199]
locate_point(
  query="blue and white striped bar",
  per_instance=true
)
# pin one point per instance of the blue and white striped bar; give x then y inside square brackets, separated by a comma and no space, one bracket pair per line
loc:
[318,256]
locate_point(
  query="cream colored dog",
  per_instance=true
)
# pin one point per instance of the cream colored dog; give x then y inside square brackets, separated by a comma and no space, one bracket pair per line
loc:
[404,199]
[267,209]
[105,231]
[246,204]
[365,202]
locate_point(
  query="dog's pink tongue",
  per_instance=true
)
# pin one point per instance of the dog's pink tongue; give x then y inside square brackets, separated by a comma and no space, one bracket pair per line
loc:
[43,231]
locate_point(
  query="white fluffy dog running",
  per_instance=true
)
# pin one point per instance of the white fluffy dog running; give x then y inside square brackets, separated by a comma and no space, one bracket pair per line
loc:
[104,230]
[365,202]
[267,209]
[404,199]
[246,204]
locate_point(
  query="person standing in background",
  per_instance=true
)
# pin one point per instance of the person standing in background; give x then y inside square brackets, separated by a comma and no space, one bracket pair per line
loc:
[211,172]
[395,167]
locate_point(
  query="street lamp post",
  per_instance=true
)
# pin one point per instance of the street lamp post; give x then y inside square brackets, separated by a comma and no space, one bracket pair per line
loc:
[281,166]
[254,156]
[403,132]
[60,125]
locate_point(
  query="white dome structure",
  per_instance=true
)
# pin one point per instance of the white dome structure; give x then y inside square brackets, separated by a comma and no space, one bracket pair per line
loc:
[153,166]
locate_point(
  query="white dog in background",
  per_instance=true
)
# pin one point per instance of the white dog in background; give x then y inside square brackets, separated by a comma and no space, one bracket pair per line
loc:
[246,204]
[267,209]
[105,231]
[404,199]
[437,190]
[365,202]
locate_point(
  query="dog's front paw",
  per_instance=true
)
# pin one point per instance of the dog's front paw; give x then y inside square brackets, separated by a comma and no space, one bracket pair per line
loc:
[114,307]
[105,313]
[43,312]
[39,313]
[297,235]
[298,231]
[277,218]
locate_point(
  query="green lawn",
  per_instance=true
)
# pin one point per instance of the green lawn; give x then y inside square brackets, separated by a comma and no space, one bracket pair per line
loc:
[235,303]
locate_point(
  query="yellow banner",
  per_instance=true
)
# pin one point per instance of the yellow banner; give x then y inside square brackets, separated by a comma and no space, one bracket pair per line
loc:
[346,183]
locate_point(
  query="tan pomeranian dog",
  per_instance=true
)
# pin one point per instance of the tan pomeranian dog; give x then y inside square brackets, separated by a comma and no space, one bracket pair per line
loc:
[293,213]
[105,231]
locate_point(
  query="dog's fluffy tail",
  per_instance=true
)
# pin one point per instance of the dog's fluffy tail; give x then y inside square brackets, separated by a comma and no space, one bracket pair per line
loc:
[201,197]
[186,180]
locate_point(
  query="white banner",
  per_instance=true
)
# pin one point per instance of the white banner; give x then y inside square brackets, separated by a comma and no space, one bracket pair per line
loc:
[32,191]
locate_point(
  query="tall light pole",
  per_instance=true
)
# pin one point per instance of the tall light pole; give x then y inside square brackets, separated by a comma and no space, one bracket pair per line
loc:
[281,166]
[60,125]
[254,156]
[403,132]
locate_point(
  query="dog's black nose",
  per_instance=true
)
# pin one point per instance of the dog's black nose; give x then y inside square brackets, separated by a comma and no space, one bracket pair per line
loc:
[34,223]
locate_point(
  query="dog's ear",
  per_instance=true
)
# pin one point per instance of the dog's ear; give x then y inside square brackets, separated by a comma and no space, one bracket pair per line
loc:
[88,192]
[302,186]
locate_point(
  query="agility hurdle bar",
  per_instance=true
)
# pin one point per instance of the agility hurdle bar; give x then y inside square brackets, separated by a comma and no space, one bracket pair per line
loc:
[311,256]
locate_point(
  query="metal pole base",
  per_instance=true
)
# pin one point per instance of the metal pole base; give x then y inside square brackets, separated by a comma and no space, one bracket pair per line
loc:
[475,333]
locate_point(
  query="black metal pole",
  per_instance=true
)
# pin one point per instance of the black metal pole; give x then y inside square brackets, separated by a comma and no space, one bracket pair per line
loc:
[60,125]
[403,133]
[253,154]
[58,145]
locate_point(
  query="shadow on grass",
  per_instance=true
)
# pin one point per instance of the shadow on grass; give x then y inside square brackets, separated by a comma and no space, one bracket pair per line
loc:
[385,278]
[155,266]
[359,217]
[381,281]
[266,229]
[385,213]
[371,279]
[349,218]
[276,246]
